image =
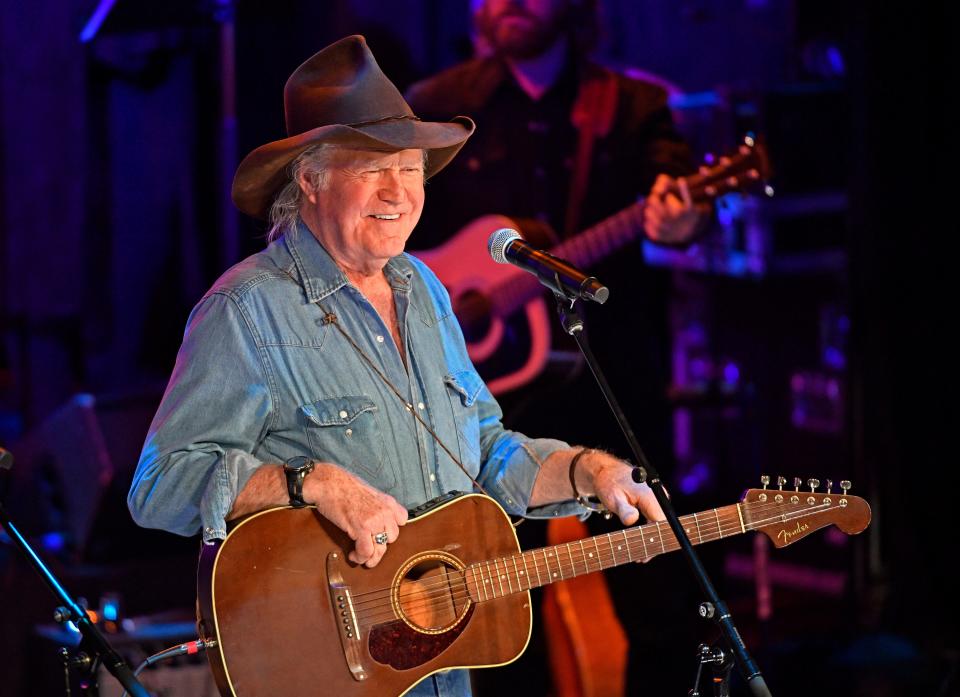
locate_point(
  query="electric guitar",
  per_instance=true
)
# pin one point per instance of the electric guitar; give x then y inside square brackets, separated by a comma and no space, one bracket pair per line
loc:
[501,307]
[291,615]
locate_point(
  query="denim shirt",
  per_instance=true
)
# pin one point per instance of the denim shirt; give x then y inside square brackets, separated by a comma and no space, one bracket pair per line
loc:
[261,378]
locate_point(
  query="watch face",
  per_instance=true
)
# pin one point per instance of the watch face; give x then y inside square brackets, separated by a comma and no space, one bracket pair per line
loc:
[298,463]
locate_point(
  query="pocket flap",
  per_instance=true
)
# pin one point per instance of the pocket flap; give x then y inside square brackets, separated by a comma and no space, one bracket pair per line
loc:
[467,383]
[337,411]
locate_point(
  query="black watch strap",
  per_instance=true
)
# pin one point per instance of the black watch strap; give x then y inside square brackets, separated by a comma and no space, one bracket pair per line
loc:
[296,470]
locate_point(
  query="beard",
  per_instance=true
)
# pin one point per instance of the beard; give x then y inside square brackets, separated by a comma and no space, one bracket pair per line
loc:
[512,38]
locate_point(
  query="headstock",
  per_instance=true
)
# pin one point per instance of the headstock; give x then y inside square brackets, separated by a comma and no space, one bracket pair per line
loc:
[745,169]
[786,515]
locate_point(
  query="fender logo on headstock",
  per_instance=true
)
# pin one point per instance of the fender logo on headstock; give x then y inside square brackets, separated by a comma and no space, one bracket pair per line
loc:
[786,535]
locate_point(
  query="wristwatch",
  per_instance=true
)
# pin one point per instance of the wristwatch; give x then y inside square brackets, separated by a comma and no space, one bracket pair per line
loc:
[296,469]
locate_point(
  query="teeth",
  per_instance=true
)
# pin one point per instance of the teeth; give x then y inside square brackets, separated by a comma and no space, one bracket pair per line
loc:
[386,217]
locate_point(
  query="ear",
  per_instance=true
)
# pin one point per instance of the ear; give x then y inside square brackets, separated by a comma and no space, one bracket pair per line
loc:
[307,188]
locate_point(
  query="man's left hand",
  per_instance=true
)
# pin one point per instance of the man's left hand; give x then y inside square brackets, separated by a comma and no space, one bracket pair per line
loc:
[672,219]
[611,480]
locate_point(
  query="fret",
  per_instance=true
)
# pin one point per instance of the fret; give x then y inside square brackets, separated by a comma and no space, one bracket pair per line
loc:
[716,512]
[550,574]
[517,572]
[627,543]
[643,534]
[596,548]
[612,552]
[663,547]
[476,581]
[536,567]
[502,576]
[697,521]
[486,582]
[573,563]
[496,571]
[740,515]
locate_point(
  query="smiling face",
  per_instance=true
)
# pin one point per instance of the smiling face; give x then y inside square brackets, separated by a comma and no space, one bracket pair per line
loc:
[367,206]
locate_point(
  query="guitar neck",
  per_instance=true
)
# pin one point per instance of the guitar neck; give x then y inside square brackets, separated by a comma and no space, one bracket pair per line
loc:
[496,578]
[584,249]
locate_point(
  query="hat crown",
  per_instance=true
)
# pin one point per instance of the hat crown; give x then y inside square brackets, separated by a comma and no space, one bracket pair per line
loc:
[342,84]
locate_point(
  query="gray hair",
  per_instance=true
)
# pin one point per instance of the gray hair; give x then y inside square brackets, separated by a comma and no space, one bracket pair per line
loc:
[313,164]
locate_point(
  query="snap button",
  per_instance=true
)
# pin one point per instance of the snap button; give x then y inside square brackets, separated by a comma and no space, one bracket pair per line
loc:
[343,414]
[420,406]
[433,477]
[349,431]
[379,339]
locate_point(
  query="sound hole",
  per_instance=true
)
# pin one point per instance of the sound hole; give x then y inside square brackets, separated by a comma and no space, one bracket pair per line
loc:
[432,594]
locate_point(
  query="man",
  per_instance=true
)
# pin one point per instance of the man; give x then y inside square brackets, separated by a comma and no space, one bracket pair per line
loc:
[567,142]
[301,368]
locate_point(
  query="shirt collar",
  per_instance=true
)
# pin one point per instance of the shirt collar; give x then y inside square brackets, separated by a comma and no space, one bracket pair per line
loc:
[319,273]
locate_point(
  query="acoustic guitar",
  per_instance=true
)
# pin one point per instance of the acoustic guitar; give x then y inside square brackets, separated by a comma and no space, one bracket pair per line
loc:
[291,615]
[501,307]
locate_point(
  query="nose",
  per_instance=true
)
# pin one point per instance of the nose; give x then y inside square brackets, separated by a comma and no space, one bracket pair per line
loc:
[391,187]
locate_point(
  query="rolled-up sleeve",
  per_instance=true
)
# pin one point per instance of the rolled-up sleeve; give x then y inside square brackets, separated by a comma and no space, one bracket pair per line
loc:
[216,409]
[511,463]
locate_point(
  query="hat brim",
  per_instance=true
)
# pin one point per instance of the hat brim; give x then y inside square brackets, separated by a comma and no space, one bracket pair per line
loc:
[263,172]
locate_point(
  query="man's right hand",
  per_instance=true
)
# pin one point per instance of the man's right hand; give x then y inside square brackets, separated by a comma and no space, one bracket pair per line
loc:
[356,508]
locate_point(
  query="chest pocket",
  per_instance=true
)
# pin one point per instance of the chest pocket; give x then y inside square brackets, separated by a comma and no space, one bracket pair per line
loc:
[346,431]
[463,388]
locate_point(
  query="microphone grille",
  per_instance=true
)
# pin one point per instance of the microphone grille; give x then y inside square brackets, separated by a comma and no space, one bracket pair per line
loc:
[499,241]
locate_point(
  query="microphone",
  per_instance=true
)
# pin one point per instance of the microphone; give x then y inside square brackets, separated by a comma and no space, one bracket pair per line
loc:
[506,246]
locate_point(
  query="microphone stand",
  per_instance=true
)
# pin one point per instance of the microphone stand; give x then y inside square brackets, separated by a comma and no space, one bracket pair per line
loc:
[94,648]
[714,608]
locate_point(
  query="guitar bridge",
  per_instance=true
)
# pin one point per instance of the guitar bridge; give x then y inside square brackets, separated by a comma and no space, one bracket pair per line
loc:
[341,601]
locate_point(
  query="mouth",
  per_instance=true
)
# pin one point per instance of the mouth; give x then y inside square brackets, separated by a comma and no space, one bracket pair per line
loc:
[385,216]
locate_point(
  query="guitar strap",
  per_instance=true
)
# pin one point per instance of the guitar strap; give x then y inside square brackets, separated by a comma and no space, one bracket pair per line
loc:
[592,115]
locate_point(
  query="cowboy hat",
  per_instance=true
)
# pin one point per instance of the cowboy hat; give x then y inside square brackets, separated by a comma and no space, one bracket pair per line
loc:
[340,96]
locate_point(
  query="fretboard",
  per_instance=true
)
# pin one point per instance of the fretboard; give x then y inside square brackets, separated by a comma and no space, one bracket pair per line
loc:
[495,578]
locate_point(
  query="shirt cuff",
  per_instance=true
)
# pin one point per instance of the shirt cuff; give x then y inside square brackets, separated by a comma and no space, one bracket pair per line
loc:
[513,484]
[229,476]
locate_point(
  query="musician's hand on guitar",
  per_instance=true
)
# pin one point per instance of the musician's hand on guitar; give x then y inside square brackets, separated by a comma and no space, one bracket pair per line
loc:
[668,218]
[356,508]
[612,482]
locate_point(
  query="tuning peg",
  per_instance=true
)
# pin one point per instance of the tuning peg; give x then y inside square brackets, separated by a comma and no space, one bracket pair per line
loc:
[749,140]
[829,486]
[797,483]
[765,480]
[845,485]
[813,484]
[781,480]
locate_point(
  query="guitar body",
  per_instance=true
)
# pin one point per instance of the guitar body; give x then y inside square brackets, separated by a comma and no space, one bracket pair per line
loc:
[292,616]
[268,595]
[509,351]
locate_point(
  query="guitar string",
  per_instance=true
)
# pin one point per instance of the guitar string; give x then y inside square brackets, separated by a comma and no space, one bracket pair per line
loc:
[751,509]
[731,523]
[378,616]
[430,597]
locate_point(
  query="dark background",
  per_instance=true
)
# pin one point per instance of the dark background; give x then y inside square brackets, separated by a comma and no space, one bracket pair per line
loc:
[116,158]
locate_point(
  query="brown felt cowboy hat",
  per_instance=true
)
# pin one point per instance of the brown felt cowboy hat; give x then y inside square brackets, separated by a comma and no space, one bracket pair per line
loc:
[340,96]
